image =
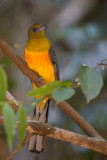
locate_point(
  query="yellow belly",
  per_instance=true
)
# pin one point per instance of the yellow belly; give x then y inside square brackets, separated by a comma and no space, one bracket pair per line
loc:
[41,63]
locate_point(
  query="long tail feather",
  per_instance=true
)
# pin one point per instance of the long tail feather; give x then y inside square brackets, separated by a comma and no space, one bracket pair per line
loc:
[41,114]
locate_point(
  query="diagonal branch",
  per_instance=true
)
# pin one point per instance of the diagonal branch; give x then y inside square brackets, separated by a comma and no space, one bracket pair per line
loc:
[33,76]
[12,101]
[44,129]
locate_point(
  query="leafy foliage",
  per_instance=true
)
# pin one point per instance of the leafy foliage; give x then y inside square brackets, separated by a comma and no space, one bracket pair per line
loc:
[22,123]
[3,84]
[10,123]
[91,82]
[48,89]
[62,93]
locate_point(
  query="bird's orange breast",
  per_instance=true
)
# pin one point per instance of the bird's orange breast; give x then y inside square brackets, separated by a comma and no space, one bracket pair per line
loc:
[40,62]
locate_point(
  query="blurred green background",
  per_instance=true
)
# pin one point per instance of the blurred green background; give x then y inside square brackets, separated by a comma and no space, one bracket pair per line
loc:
[78,30]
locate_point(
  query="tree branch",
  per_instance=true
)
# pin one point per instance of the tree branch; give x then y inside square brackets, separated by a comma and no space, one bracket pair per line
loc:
[12,101]
[33,76]
[78,119]
[44,129]
[75,115]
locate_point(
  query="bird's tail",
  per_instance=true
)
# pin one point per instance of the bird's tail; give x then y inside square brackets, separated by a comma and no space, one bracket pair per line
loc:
[40,114]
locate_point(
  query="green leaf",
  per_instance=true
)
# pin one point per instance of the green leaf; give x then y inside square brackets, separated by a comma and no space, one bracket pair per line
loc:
[3,84]
[91,82]
[1,106]
[22,124]
[62,93]
[10,123]
[47,89]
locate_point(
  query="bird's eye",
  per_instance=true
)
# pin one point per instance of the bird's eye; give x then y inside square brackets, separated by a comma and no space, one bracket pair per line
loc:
[34,29]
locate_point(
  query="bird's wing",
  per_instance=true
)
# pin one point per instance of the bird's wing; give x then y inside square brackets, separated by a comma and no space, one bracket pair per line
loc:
[54,61]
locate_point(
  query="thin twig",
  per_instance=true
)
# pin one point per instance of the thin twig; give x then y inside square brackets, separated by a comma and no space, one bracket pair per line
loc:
[33,76]
[100,64]
[19,148]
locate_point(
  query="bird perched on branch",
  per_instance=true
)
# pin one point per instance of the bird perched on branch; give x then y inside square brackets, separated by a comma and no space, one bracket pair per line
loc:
[40,57]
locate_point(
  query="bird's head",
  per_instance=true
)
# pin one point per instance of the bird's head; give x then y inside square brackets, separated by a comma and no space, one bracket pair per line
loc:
[36,31]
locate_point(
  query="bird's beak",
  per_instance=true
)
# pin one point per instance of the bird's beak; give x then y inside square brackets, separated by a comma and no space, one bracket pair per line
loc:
[42,28]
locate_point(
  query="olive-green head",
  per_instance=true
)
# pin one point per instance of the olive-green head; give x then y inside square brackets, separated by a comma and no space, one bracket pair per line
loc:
[36,31]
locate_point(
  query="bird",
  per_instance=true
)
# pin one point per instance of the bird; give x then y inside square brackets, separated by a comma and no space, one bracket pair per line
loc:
[40,57]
